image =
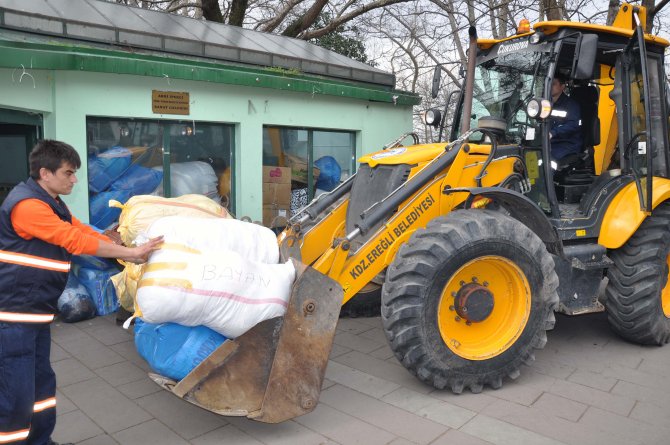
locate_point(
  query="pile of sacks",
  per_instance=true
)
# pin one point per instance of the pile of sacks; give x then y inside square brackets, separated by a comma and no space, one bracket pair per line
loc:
[213,278]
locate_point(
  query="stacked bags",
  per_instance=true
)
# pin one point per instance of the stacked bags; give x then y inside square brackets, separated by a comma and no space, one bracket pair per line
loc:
[213,278]
[112,176]
[222,274]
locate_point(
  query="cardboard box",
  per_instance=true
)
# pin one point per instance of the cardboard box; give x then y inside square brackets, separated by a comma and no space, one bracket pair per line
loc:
[280,175]
[276,193]
[299,169]
[275,215]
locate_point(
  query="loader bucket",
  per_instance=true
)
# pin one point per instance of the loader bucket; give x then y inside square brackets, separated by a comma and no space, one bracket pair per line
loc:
[274,371]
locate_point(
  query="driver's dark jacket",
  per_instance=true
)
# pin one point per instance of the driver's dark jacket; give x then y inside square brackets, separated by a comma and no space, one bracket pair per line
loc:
[565,128]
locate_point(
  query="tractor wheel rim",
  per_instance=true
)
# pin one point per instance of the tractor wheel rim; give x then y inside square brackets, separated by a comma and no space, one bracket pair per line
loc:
[500,323]
[665,294]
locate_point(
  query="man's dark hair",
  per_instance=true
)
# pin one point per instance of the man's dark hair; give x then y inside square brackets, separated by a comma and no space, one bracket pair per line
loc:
[51,154]
[561,77]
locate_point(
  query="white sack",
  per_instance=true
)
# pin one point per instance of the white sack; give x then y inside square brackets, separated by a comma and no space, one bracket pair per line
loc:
[223,291]
[252,241]
[195,177]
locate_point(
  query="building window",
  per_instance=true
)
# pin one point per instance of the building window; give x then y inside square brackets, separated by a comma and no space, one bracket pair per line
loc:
[316,160]
[128,157]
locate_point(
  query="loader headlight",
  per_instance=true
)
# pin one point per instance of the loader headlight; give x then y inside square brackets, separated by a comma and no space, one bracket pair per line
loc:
[432,117]
[538,108]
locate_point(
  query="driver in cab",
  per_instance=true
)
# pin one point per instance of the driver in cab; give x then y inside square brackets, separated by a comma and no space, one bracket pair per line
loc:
[565,122]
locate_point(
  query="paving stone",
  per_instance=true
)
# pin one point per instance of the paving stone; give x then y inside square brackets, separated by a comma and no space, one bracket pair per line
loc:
[356,343]
[140,388]
[329,421]
[375,322]
[337,350]
[352,326]
[468,400]
[456,437]
[656,381]
[383,415]
[590,396]
[526,389]
[655,361]
[358,380]
[376,334]
[650,413]
[550,426]
[392,372]
[105,405]
[63,404]
[641,393]
[91,352]
[427,407]
[64,332]
[285,433]
[560,407]
[593,380]
[634,431]
[401,441]
[184,418]
[544,365]
[149,433]
[108,334]
[384,353]
[503,433]
[58,353]
[121,373]
[228,434]
[75,426]
[128,351]
[70,371]
[100,440]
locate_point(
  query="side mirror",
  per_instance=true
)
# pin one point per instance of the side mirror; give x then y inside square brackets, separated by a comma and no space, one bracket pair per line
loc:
[585,57]
[437,75]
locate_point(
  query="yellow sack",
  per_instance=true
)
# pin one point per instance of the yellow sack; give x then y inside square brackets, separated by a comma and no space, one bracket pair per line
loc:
[141,211]
[119,283]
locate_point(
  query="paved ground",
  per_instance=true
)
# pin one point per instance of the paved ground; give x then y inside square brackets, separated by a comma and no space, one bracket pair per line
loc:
[586,387]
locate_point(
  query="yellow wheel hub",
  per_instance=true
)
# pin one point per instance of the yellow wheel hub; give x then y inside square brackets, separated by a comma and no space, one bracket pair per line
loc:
[485,306]
[665,294]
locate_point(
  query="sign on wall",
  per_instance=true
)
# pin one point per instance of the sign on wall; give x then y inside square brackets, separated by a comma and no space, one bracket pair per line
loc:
[170,102]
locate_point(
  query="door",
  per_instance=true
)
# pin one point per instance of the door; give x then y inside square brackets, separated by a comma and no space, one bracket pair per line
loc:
[19,132]
[635,120]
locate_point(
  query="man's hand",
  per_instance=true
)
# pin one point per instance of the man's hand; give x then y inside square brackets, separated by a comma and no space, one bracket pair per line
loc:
[139,255]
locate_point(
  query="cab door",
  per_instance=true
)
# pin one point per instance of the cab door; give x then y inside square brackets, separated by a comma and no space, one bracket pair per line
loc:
[635,122]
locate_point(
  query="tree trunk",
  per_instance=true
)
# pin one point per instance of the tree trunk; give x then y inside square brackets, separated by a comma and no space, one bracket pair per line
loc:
[238,10]
[211,11]
[306,20]
[612,10]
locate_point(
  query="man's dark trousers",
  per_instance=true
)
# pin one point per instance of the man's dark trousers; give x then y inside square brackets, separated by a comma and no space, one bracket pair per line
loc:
[27,383]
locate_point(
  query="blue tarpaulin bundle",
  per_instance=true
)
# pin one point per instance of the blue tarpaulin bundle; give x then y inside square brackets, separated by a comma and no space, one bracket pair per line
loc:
[173,350]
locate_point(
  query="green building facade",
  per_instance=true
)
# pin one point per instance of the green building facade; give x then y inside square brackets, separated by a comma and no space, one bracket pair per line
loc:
[208,103]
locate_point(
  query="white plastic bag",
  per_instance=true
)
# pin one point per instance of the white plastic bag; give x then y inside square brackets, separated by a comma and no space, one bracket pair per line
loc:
[252,241]
[223,291]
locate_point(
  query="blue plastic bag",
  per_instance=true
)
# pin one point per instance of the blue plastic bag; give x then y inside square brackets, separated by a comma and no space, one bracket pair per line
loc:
[173,350]
[330,172]
[138,180]
[101,214]
[75,304]
[100,288]
[106,167]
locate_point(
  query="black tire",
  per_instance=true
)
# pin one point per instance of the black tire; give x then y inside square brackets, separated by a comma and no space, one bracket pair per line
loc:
[637,281]
[366,303]
[430,262]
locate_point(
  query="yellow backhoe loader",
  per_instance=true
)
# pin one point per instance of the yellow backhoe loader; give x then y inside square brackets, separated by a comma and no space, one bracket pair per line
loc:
[474,243]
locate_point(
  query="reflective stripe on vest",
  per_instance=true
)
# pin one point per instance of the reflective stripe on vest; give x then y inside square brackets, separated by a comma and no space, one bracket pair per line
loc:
[14,436]
[44,404]
[19,317]
[34,261]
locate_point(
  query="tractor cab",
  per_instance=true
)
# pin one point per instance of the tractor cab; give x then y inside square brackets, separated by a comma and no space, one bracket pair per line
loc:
[608,130]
